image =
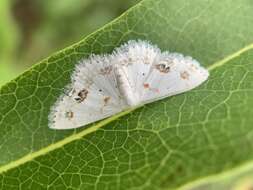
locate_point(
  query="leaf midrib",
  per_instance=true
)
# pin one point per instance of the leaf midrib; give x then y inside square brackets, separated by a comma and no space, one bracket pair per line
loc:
[76,136]
[214,178]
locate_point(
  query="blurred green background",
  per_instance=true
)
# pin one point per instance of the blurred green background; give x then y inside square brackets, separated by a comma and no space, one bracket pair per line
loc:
[30,30]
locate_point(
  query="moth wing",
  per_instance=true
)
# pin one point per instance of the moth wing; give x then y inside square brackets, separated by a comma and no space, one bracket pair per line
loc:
[135,60]
[93,95]
[171,74]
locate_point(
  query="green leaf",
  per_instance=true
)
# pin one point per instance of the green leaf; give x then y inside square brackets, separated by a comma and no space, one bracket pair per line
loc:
[163,145]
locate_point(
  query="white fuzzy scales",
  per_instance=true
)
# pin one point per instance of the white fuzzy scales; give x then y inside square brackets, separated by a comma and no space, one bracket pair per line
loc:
[136,73]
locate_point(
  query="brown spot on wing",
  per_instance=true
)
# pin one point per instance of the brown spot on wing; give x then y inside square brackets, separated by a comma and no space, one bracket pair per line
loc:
[69,114]
[106,70]
[193,68]
[82,95]
[106,100]
[185,75]
[162,68]
[146,85]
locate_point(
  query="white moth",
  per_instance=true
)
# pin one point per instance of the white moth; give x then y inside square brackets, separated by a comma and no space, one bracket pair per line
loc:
[135,74]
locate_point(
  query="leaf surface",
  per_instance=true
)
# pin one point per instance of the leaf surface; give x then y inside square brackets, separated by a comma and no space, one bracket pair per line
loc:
[163,145]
